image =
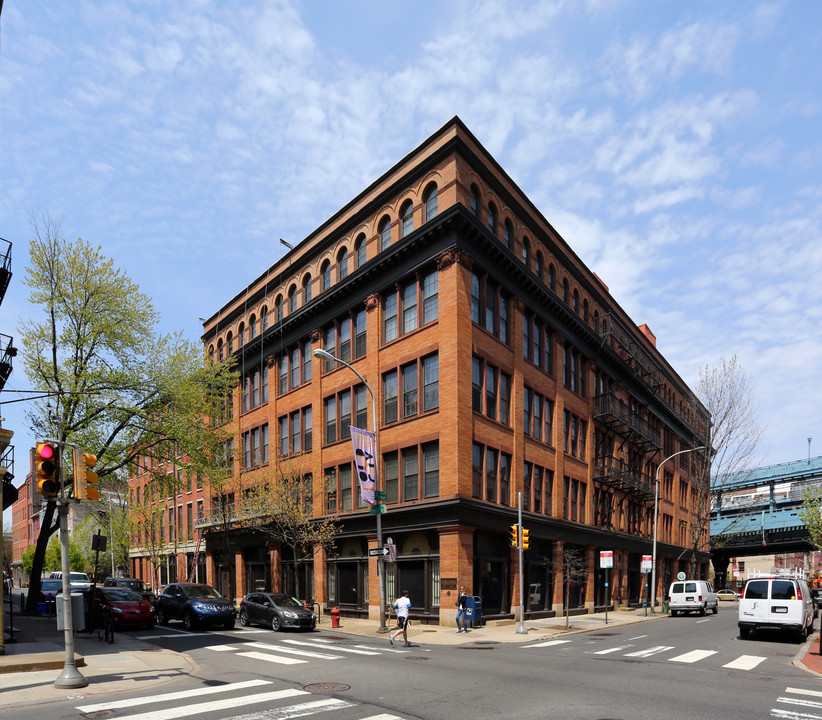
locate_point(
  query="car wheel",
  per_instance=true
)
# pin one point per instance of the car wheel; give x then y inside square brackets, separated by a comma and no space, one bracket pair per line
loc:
[161,618]
[276,623]
[716,607]
[244,618]
[188,620]
[744,633]
[704,610]
[673,613]
[228,625]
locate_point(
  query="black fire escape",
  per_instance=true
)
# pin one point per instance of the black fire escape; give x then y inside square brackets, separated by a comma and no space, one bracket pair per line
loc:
[7,353]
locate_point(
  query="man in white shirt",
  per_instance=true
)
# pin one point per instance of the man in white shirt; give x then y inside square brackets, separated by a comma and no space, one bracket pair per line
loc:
[401,606]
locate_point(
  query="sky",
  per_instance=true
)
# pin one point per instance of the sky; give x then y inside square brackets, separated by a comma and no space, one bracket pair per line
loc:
[676,147]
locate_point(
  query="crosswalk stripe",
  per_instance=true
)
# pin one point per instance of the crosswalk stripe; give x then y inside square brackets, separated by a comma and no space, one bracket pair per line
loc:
[803,691]
[167,697]
[791,715]
[801,703]
[295,711]
[650,651]
[271,658]
[337,648]
[383,716]
[294,651]
[220,648]
[608,651]
[547,643]
[745,662]
[693,656]
[212,706]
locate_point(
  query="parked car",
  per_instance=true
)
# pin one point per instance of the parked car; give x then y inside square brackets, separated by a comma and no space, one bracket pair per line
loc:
[277,611]
[132,584]
[194,603]
[727,594]
[49,589]
[776,603]
[128,608]
[692,596]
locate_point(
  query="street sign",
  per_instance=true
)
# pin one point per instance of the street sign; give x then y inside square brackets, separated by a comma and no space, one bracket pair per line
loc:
[377,509]
[379,495]
[376,552]
[606,558]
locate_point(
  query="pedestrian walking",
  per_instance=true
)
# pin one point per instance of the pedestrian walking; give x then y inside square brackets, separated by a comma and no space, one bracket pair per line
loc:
[401,606]
[462,610]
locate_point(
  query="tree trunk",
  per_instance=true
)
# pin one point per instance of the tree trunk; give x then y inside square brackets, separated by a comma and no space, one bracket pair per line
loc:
[47,529]
[296,574]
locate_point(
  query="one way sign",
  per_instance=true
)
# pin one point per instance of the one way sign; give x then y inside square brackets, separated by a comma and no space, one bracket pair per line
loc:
[376,552]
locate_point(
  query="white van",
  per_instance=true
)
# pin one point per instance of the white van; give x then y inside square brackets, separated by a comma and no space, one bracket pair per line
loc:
[776,603]
[692,596]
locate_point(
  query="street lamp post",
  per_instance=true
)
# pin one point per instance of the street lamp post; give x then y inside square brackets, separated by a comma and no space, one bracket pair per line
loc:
[656,515]
[325,355]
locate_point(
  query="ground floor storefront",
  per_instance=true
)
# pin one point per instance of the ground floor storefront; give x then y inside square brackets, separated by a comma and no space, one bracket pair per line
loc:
[436,553]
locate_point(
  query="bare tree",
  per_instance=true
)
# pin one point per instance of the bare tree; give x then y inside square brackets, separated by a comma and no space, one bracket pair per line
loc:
[572,568]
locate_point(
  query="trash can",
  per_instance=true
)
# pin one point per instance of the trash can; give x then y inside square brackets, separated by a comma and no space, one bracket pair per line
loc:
[78,615]
[473,610]
[664,606]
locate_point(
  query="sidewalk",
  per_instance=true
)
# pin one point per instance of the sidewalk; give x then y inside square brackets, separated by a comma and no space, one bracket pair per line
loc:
[30,665]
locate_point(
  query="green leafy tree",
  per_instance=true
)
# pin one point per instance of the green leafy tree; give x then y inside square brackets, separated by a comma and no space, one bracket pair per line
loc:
[28,559]
[117,388]
[77,560]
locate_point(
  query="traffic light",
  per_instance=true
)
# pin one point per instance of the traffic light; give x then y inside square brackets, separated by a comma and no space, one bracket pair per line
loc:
[515,536]
[524,538]
[85,480]
[45,463]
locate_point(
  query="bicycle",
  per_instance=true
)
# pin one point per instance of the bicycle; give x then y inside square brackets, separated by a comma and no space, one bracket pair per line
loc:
[105,626]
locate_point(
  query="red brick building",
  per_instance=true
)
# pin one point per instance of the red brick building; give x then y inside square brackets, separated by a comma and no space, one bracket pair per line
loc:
[500,364]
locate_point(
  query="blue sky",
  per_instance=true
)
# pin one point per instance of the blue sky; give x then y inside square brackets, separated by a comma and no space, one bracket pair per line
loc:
[675,146]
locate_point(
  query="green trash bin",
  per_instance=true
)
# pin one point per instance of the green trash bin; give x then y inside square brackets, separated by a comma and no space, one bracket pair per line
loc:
[664,606]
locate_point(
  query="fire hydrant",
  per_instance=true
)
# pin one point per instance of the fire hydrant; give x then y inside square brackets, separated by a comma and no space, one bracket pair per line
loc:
[335,617]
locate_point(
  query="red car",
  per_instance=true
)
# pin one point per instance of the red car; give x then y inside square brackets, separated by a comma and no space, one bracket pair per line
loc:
[128,608]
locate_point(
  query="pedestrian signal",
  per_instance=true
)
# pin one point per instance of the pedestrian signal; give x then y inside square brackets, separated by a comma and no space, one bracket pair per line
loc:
[45,463]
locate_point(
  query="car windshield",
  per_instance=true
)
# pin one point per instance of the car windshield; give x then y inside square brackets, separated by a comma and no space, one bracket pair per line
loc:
[202,591]
[51,584]
[121,594]
[285,600]
[78,577]
[137,585]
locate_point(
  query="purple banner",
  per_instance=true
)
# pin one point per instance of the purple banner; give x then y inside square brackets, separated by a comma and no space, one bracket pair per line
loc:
[363,443]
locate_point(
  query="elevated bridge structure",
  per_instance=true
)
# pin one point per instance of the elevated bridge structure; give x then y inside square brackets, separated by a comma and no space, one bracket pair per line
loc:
[758,512]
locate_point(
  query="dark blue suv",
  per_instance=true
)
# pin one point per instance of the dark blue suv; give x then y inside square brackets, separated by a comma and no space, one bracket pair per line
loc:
[195,604]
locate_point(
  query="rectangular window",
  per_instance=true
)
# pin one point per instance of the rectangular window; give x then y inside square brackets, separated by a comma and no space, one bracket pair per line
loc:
[504,478]
[409,390]
[491,391]
[361,407]
[527,470]
[430,297]
[246,451]
[307,432]
[476,298]
[282,386]
[331,492]
[431,468]
[255,447]
[389,323]
[345,487]
[295,368]
[330,347]
[330,420]
[360,344]
[476,384]
[345,414]
[431,383]
[537,417]
[491,474]
[389,395]
[503,319]
[537,483]
[548,352]
[283,435]
[410,474]
[345,340]
[307,355]
[294,421]
[549,421]
[527,399]
[526,336]
[246,383]
[504,398]
[391,476]
[490,307]
[409,308]
[476,462]
[265,443]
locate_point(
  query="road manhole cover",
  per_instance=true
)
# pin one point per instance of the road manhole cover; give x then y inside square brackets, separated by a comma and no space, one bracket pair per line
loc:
[474,647]
[486,642]
[99,714]
[326,687]
[416,658]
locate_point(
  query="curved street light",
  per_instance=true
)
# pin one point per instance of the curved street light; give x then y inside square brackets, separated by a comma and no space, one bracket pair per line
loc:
[325,355]
[656,515]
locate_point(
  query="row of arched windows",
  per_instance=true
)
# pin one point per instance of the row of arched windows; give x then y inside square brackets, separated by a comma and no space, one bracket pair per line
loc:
[331,270]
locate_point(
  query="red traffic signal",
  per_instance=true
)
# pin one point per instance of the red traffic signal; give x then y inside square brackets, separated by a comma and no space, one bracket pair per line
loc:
[45,463]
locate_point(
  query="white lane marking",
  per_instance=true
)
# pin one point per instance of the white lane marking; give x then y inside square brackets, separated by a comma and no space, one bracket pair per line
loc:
[166,697]
[790,715]
[220,648]
[803,691]
[383,716]
[608,651]
[638,637]
[295,711]
[293,651]
[337,648]
[699,622]
[271,658]
[800,703]
[693,656]
[745,662]
[547,643]
[650,651]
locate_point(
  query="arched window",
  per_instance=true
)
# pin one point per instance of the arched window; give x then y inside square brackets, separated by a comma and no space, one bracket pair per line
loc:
[264,319]
[526,252]
[552,277]
[384,231]
[220,349]
[406,218]
[325,274]
[306,289]
[508,234]
[342,263]
[538,267]
[492,218]
[429,200]
[210,354]
[278,309]
[252,327]
[229,342]
[359,249]
[596,321]
[576,302]
[241,335]
[475,200]
[566,292]
[585,310]
[292,299]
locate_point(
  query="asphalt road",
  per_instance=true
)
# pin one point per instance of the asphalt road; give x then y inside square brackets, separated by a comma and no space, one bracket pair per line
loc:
[681,667]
